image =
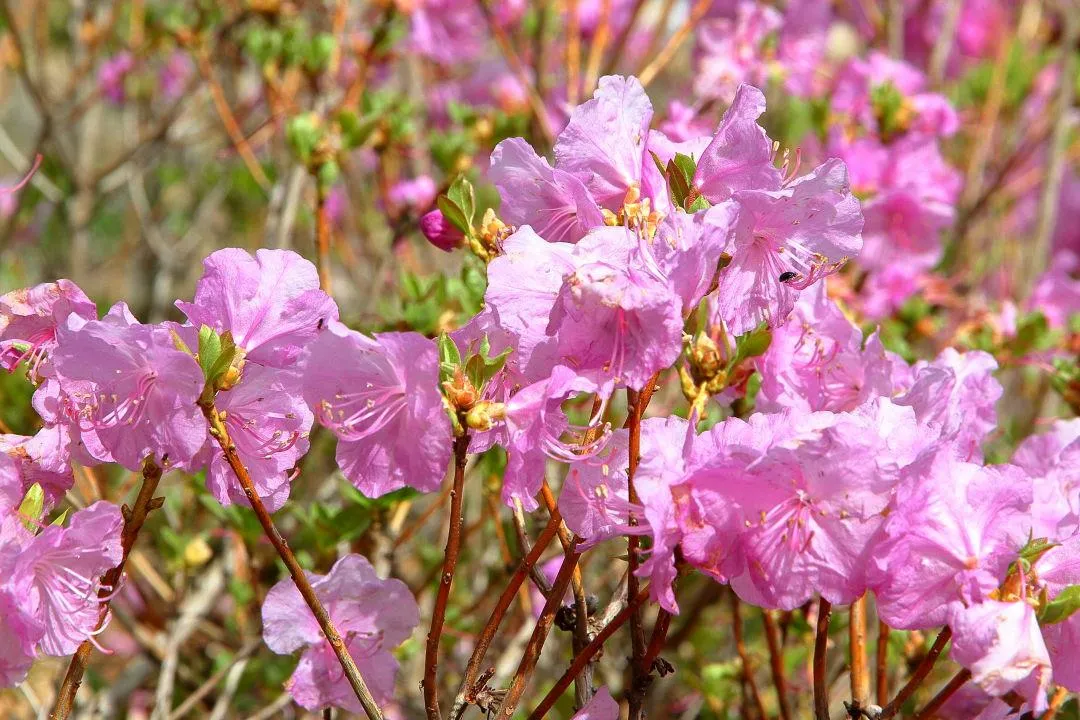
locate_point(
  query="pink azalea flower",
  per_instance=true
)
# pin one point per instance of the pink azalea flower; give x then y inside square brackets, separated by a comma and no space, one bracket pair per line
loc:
[111,76]
[268,421]
[174,75]
[687,249]
[1057,292]
[612,321]
[417,193]
[953,531]
[271,303]
[604,142]
[601,707]
[142,392]
[372,393]
[740,155]
[1058,569]
[29,319]
[730,52]
[446,31]
[814,505]
[373,616]
[55,575]
[1050,459]
[954,397]
[1001,644]
[41,459]
[784,241]
[554,202]
[682,124]
[19,634]
[818,361]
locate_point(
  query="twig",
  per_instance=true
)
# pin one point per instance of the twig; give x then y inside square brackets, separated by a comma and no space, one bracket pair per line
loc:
[1058,699]
[586,655]
[661,60]
[466,695]
[919,675]
[744,656]
[821,643]
[431,509]
[776,663]
[656,640]
[959,680]
[228,692]
[1055,167]
[322,236]
[283,700]
[596,47]
[348,665]
[895,28]
[536,103]
[573,53]
[211,682]
[134,518]
[442,598]
[882,651]
[939,56]
[860,674]
[539,635]
[620,42]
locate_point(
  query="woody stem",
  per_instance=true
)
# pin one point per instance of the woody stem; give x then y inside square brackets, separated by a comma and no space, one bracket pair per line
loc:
[221,434]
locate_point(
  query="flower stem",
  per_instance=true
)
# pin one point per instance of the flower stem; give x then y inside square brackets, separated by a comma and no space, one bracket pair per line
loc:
[582,658]
[776,663]
[919,675]
[133,521]
[882,651]
[348,665]
[442,597]
[860,675]
[821,641]
[744,657]
[467,693]
[322,236]
[958,681]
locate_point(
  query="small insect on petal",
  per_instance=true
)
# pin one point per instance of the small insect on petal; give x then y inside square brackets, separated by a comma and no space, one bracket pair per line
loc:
[789,275]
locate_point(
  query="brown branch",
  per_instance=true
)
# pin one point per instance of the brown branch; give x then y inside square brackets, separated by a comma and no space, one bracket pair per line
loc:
[919,675]
[539,635]
[776,663]
[442,598]
[656,641]
[650,71]
[134,518]
[596,47]
[821,642]
[744,656]
[322,236]
[586,655]
[348,665]
[620,42]
[573,53]
[959,680]
[860,674]
[882,650]
[467,694]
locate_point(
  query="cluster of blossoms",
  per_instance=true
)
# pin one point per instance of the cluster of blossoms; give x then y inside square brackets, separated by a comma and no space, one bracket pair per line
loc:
[633,255]
[113,390]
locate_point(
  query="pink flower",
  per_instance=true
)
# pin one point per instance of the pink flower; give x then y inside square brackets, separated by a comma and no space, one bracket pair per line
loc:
[953,398]
[373,616]
[1057,292]
[784,241]
[601,707]
[687,248]
[1058,569]
[440,232]
[41,459]
[140,391]
[271,303]
[1001,644]
[174,75]
[682,124]
[948,540]
[268,421]
[1050,459]
[373,393]
[604,142]
[19,634]
[554,202]
[740,155]
[417,193]
[55,575]
[818,360]
[111,76]
[814,505]
[730,52]
[29,319]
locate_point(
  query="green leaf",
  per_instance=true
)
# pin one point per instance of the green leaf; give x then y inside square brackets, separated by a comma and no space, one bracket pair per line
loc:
[677,183]
[60,519]
[355,130]
[304,134]
[751,344]
[1061,607]
[32,505]
[449,357]
[454,214]
[461,193]
[209,349]
[179,343]
[319,52]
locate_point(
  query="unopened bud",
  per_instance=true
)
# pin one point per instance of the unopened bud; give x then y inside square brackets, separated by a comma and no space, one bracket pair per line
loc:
[484,414]
[460,391]
[236,370]
[440,232]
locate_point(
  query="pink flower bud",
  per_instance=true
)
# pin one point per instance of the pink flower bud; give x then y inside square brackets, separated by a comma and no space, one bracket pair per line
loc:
[440,232]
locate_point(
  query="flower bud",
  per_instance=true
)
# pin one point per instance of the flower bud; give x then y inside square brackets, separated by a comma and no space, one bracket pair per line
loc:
[460,391]
[484,414]
[440,232]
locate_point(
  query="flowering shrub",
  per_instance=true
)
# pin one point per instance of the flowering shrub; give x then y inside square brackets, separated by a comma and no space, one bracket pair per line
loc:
[760,383]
